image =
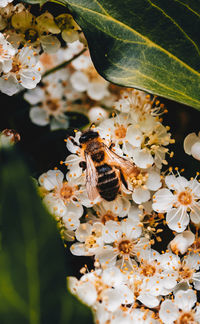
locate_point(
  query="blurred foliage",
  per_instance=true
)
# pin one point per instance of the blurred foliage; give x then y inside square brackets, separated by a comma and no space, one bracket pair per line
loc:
[33,263]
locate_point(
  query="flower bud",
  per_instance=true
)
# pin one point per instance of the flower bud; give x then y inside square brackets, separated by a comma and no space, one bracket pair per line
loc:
[9,137]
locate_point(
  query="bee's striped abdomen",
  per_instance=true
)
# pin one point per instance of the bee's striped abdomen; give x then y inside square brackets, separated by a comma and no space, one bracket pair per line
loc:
[108,182]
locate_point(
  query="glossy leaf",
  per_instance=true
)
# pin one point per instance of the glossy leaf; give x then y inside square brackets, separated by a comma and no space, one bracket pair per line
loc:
[32,257]
[148,44]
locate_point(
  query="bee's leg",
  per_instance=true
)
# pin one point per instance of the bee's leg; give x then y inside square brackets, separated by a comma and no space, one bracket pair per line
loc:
[82,164]
[123,180]
[111,146]
[74,142]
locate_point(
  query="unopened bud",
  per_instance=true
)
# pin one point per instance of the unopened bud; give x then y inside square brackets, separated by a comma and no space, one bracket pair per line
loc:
[9,137]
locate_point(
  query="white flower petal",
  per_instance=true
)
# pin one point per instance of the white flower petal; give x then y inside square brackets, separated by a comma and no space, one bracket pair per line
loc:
[195,150]
[50,44]
[185,300]
[97,90]
[134,136]
[83,232]
[163,200]
[189,140]
[79,81]
[142,158]
[107,256]
[154,181]
[34,96]
[177,219]
[39,116]
[140,195]
[168,312]
[148,300]
[111,231]
[131,228]
[176,183]
[182,241]
[87,293]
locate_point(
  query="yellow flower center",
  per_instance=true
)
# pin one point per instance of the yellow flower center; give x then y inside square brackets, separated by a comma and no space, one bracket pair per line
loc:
[139,179]
[16,65]
[120,131]
[53,105]
[186,318]
[148,270]
[66,191]
[185,273]
[185,197]
[125,247]
[31,35]
[108,216]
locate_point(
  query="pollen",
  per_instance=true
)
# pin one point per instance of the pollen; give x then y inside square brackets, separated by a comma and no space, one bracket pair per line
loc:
[185,197]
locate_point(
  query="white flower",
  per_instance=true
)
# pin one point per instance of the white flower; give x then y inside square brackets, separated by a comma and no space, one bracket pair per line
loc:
[90,237]
[180,310]
[144,140]
[106,287]
[36,31]
[153,142]
[143,184]
[188,270]
[120,131]
[49,105]
[192,145]
[73,162]
[124,242]
[86,78]
[6,54]
[159,275]
[131,315]
[181,198]
[25,72]
[184,270]
[182,241]
[135,101]
[4,3]
[111,210]
[62,198]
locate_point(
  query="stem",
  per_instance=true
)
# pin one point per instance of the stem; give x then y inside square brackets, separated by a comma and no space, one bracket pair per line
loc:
[62,65]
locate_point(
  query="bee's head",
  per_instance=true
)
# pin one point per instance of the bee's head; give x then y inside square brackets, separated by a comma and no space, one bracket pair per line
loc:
[87,136]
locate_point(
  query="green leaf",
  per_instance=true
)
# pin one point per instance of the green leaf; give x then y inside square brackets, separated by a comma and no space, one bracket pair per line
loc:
[148,44]
[32,257]
[41,2]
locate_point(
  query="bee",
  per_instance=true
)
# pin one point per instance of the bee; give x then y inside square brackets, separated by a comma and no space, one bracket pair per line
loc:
[106,171]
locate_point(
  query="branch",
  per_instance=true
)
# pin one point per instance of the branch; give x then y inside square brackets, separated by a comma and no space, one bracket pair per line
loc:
[62,65]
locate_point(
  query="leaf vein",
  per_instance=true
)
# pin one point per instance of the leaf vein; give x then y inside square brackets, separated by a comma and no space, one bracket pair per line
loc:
[188,7]
[155,81]
[147,40]
[176,24]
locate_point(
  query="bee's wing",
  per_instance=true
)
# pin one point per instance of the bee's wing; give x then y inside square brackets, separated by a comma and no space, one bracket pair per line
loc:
[126,166]
[91,179]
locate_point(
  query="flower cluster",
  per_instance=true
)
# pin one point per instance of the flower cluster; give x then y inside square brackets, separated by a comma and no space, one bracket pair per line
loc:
[19,68]
[131,278]
[117,200]
[23,39]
